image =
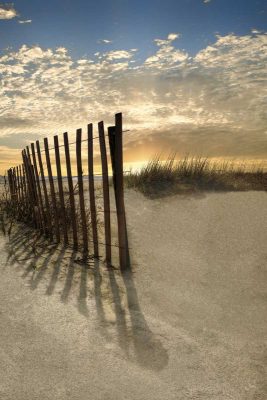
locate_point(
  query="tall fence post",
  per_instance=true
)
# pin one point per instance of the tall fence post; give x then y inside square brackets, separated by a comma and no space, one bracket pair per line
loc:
[60,191]
[30,189]
[11,184]
[47,207]
[52,189]
[106,196]
[81,191]
[21,189]
[119,191]
[38,191]
[18,184]
[36,205]
[92,188]
[71,191]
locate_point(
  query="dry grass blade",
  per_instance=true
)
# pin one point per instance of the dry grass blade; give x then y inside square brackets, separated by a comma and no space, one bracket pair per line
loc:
[159,178]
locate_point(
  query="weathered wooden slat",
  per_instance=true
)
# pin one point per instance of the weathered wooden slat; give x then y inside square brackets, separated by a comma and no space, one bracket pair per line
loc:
[118,163]
[92,188]
[31,174]
[14,177]
[25,169]
[39,191]
[52,190]
[30,189]
[18,184]
[111,139]
[81,190]
[11,184]
[22,193]
[106,195]
[37,210]
[23,180]
[23,197]
[25,188]
[37,207]
[60,191]
[71,191]
[47,212]
[17,202]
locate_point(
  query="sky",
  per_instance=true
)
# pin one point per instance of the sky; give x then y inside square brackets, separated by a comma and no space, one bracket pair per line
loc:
[189,76]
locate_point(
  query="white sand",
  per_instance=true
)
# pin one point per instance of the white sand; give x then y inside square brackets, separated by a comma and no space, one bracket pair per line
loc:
[188,323]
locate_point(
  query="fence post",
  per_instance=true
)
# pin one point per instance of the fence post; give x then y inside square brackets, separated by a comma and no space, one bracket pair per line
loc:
[38,191]
[24,180]
[47,207]
[10,183]
[52,189]
[16,169]
[36,204]
[111,139]
[106,196]
[118,186]
[17,192]
[21,188]
[92,188]
[80,185]
[31,174]
[61,192]
[30,189]
[71,191]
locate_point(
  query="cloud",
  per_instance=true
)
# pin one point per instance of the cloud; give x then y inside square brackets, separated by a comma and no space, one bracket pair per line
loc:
[104,41]
[213,103]
[119,54]
[17,140]
[206,1]
[167,55]
[169,40]
[27,21]
[255,31]
[173,36]
[7,11]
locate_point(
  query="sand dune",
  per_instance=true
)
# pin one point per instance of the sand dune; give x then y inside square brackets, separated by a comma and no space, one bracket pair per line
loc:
[188,322]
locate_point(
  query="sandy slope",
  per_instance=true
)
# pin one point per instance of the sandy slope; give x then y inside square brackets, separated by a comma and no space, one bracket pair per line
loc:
[188,323]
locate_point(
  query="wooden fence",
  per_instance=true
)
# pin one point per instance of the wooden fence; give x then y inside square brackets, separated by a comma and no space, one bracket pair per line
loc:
[51,202]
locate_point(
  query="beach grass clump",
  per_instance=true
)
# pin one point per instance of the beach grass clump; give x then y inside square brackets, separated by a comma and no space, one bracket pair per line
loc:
[159,178]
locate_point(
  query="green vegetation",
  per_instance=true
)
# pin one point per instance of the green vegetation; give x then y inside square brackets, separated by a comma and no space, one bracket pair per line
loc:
[191,174]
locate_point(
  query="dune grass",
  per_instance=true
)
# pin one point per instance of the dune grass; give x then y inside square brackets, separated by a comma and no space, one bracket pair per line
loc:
[159,178]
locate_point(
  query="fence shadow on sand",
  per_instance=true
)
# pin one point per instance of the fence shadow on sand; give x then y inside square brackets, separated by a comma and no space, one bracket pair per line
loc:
[105,294]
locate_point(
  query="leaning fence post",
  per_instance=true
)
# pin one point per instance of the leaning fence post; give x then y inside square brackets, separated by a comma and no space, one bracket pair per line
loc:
[24,180]
[60,190]
[31,174]
[47,207]
[38,191]
[16,169]
[80,185]
[10,183]
[118,180]
[21,188]
[17,192]
[37,208]
[111,139]
[71,191]
[106,196]
[92,188]
[26,189]
[30,190]
[52,189]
